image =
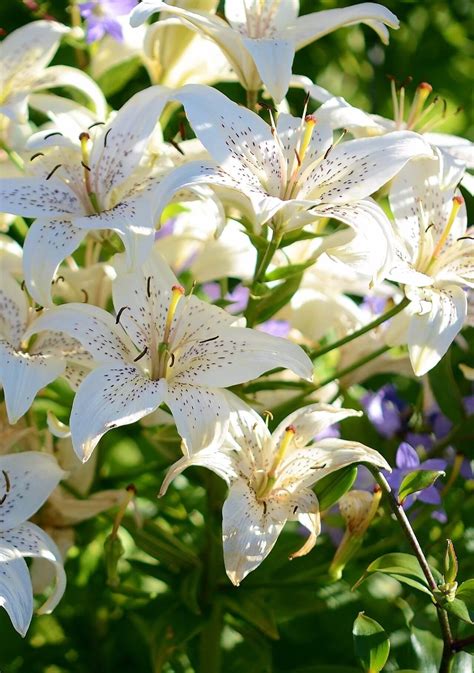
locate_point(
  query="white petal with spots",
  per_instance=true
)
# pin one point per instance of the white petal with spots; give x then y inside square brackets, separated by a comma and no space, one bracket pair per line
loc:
[110,397]
[26,481]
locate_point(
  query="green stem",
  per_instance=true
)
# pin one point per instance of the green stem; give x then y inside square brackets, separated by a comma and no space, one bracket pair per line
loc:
[261,267]
[14,157]
[363,330]
[352,367]
[448,651]
[210,651]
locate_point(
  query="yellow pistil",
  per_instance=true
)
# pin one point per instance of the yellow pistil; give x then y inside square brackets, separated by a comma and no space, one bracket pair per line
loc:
[265,485]
[176,293]
[84,140]
[161,357]
[457,203]
[310,122]
[423,90]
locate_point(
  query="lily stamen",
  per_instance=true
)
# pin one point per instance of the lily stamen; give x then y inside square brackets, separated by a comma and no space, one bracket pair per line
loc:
[423,90]
[457,203]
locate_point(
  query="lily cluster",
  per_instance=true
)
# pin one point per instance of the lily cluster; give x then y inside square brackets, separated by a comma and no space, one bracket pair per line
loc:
[199,282]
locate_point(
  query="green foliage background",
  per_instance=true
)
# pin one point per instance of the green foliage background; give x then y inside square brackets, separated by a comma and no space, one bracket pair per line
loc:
[286,617]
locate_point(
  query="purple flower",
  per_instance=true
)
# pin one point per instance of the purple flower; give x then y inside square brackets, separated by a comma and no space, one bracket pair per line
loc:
[101,16]
[385,411]
[407,461]
[279,328]
[238,297]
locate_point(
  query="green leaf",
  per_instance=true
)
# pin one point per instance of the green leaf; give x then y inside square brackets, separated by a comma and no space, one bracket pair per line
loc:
[371,643]
[253,608]
[417,481]
[117,77]
[402,567]
[332,487]
[287,271]
[456,607]
[276,298]
[446,391]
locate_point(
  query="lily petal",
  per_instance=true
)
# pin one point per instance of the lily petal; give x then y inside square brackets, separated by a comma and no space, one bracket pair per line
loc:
[108,398]
[274,60]
[33,197]
[47,244]
[249,531]
[313,26]
[26,479]
[442,312]
[30,541]
[23,375]
[16,592]
[311,421]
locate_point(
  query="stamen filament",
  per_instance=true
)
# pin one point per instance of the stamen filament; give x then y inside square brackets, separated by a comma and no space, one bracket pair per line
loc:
[423,90]
[457,203]
[290,432]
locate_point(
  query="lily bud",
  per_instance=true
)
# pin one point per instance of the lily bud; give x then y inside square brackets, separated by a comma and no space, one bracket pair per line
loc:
[358,508]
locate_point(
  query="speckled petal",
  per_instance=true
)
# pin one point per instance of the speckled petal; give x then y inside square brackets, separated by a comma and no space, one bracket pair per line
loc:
[47,244]
[108,398]
[201,414]
[249,531]
[30,541]
[93,327]
[26,481]
[118,150]
[23,375]
[16,593]
[33,197]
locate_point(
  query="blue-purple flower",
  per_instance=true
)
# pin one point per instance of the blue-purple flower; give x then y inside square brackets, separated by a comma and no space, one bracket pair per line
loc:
[407,461]
[386,411]
[101,18]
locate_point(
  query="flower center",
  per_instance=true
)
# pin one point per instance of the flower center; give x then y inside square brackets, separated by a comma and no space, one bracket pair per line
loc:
[85,152]
[266,483]
[162,355]
[421,117]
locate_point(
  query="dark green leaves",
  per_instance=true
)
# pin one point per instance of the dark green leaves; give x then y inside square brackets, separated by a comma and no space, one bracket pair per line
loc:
[371,643]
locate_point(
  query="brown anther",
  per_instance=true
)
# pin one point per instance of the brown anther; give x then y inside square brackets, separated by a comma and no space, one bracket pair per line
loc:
[50,135]
[142,354]
[95,124]
[182,130]
[425,86]
[51,173]
[86,296]
[298,158]
[148,287]
[119,314]
[35,156]
[131,488]
[106,136]
[85,166]
[176,146]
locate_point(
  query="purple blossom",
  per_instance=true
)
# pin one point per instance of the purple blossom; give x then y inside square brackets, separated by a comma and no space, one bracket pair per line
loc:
[385,411]
[279,328]
[407,461]
[101,16]
[238,297]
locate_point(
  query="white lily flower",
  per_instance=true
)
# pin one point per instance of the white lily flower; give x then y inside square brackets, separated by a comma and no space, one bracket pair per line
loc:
[24,57]
[270,476]
[162,347]
[421,116]
[294,173]
[434,259]
[26,481]
[98,185]
[26,368]
[260,39]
